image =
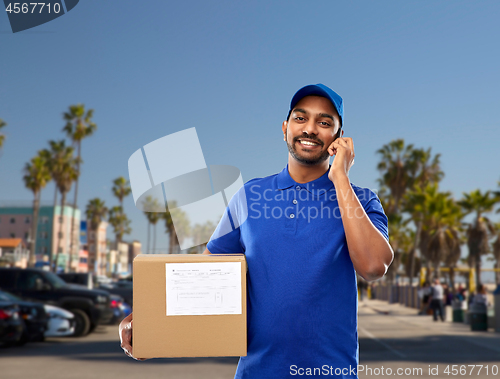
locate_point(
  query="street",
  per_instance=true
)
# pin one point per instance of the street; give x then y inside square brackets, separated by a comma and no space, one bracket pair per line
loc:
[391,337]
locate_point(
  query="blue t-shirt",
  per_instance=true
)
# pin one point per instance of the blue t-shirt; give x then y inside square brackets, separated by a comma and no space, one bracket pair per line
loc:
[302,291]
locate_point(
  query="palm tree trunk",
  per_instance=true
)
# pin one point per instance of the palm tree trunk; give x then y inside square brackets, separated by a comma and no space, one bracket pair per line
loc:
[149,236]
[61,223]
[154,238]
[74,209]
[478,271]
[452,279]
[36,206]
[414,252]
[472,264]
[171,240]
[428,271]
[53,242]
[436,269]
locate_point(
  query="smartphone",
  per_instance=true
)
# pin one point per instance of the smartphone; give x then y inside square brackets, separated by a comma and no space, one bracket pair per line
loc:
[338,133]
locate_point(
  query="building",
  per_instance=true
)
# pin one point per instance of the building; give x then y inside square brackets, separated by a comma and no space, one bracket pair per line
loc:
[118,263]
[83,254]
[97,249]
[83,259]
[13,253]
[134,249]
[16,222]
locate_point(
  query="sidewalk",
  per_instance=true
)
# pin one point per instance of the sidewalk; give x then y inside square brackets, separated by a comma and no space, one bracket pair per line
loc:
[486,339]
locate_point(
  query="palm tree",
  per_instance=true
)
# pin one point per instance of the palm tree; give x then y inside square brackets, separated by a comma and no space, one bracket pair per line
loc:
[51,156]
[36,176]
[395,168]
[182,225]
[61,163]
[481,229]
[120,223]
[424,168]
[64,175]
[202,233]
[403,168]
[419,203]
[154,217]
[2,136]
[444,238]
[54,155]
[78,127]
[496,252]
[151,208]
[96,211]
[121,189]
[400,242]
[147,206]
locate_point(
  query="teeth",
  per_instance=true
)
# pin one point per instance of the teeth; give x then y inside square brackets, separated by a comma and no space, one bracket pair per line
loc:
[307,143]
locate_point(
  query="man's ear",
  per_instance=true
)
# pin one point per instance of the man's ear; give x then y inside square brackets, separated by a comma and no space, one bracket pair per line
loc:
[283,128]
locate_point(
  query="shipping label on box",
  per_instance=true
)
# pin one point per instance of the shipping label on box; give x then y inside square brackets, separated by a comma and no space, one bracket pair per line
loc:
[212,288]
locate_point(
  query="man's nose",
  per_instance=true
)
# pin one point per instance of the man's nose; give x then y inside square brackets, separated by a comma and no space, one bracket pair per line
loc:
[310,127]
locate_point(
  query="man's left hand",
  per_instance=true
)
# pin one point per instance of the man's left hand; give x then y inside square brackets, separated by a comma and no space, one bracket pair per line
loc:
[343,149]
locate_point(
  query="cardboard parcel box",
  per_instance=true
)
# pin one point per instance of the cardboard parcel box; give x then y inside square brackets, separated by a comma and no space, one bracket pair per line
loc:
[189,305]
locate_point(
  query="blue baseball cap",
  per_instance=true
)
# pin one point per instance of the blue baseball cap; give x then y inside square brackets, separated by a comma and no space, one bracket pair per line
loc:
[319,90]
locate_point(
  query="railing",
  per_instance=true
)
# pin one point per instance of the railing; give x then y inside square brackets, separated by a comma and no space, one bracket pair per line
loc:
[402,294]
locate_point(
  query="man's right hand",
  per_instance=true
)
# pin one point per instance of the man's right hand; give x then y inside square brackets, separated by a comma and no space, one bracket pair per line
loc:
[125,332]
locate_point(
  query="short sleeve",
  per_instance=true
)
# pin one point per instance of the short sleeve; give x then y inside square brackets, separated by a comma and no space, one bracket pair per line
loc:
[376,214]
[226,238]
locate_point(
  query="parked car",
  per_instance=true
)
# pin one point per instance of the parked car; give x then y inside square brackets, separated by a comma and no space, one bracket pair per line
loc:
[123,288]
[120,309]
[90,307]
[101,279]
[33,314]
[11,324]
[61,322]
[84,279]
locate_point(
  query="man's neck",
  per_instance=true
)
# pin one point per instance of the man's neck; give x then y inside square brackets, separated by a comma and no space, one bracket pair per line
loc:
[303,173]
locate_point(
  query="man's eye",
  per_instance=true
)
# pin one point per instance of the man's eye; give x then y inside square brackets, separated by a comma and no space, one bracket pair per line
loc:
[324,123]
[298,118]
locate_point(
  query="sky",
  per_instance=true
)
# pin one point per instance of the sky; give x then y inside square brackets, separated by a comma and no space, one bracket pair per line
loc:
[423,71]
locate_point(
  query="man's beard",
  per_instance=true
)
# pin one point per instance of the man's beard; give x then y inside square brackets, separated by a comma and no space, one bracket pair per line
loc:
[308,161]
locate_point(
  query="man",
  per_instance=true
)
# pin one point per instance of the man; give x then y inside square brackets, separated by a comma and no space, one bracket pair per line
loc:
[436,300]
[304,233]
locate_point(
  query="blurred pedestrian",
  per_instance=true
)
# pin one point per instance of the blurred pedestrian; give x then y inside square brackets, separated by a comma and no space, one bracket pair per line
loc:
[481,296]
[436,300]
[460,295]
[423,295]
[447,295]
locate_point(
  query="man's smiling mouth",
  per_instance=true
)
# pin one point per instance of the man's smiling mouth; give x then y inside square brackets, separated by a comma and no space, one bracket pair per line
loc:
[308,143]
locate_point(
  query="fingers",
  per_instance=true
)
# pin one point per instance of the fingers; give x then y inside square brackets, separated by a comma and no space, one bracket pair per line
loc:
[125,332]
[127,349]
[350,143]
[346,142]
[343,142]
[335,145]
